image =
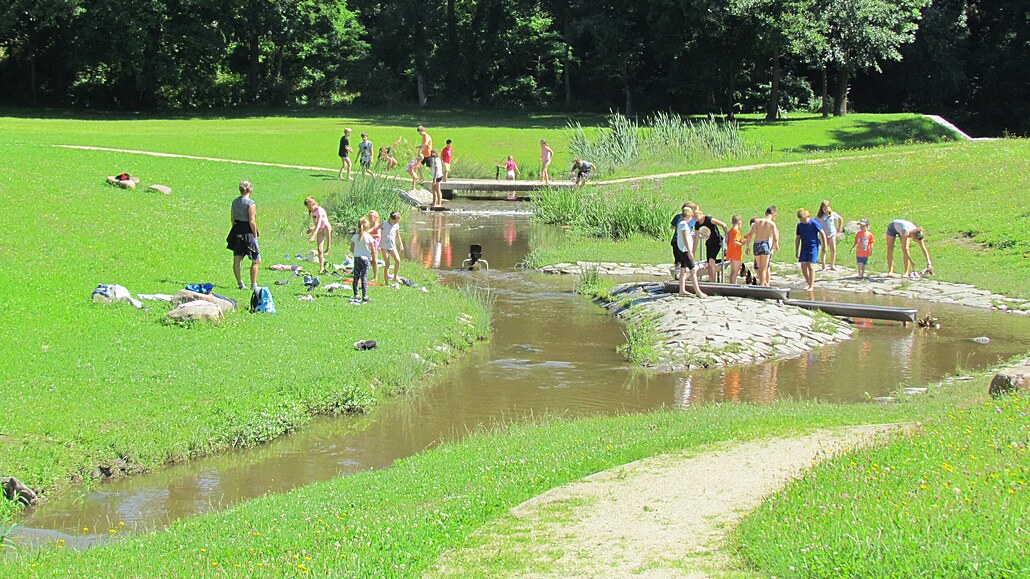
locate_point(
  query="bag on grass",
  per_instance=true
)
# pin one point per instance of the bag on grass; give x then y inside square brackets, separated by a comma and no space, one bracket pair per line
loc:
[200,288]
[261,302]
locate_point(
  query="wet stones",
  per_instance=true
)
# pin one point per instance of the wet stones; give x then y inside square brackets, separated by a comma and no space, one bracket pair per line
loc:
[605,268]
[722,331]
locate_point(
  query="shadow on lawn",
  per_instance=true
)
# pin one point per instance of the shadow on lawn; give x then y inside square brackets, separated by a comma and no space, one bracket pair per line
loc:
[866,134]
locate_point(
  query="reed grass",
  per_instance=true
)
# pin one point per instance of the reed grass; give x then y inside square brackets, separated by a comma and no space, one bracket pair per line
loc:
[611,212]
[354,199]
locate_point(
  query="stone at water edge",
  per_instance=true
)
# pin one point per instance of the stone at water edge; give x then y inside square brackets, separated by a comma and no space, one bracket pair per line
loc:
[416,198]
[1010,380]
[162,189]
[981,340]
[15,490]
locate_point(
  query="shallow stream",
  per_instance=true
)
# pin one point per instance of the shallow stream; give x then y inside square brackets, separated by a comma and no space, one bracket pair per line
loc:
[552,353]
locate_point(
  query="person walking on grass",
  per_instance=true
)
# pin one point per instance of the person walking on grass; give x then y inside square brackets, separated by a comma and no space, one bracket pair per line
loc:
[862,246]
[345,151]
[361,247]
[446,155]
[392,245]
[414,168]
[907,231]
[321,231]
[713,244]
[365,154]
[242,238]
[832,225]
[436,168]
[375,229]
[764,240]
[685,245]
[546,156]
[809,235]
[735,247]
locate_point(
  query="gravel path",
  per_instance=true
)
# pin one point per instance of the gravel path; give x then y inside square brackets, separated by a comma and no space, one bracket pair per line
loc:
[665,516]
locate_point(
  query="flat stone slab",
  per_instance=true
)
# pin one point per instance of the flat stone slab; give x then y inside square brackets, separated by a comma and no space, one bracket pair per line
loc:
[722,331]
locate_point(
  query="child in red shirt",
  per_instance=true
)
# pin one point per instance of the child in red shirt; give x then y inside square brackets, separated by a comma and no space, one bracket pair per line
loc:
[445,157]
[862,246]
[734,247]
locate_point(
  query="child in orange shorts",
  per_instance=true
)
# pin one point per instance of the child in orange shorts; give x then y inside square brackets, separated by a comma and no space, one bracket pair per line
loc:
[735,247]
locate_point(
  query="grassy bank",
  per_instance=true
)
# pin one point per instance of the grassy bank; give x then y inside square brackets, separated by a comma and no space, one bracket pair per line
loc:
[971,198]
[951,500]
[90,390]
[482,140]
[399,521]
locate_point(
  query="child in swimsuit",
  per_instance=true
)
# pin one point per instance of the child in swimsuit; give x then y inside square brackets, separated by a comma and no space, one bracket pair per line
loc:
[321,231]
[735,247]
[375,229]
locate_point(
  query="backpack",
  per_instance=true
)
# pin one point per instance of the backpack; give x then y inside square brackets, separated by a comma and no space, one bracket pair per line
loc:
[261,301]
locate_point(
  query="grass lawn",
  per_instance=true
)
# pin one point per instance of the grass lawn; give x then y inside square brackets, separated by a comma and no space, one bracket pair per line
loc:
[89,389]
[481,140]
[399,521]
[971,198]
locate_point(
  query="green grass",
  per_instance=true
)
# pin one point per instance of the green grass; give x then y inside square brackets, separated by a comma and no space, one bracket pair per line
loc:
[971,198]
[399,521]
[88,389]
[952,500]
[481,139]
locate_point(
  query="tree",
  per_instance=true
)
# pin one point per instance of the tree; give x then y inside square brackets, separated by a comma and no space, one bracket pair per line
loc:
[28,28]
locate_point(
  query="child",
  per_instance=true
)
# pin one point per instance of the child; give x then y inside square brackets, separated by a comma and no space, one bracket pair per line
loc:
[831,223]
[365,154]
[735,247]
[375,229]
[581,171]
[510,170]
[320,230]
[862,246]
[345,151]
[386,154]
[413,167]
[392,245]
[713,245]
[809,236]
[685,259]
[361,246]
[436,167]
[546,155]
[445,157]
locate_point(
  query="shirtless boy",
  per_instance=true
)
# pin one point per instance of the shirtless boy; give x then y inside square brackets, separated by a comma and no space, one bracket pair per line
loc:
[765,239]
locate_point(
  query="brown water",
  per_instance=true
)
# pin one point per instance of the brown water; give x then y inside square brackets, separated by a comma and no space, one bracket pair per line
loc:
[552,353]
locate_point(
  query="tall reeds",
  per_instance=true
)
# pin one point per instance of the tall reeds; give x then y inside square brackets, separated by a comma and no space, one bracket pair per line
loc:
[354,199]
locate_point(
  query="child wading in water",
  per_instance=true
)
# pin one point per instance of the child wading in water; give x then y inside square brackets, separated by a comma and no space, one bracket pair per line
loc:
[809,236]
[862,246]
[375,229]
[361,246]
[392,245]
[735,247]
[510,171]
[685,257]
[321,231]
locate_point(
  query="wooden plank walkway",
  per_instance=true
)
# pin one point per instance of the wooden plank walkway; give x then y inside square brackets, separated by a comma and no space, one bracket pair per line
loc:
[499,185]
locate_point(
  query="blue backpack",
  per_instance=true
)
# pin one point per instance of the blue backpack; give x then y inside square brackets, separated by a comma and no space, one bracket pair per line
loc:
[261,301]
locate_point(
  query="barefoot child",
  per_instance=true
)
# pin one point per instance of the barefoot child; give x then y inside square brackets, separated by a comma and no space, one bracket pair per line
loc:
[375,229]
[361,246]
[413,168]
[766,239]
[386,154]
[685,259]
[862,246]
[321,231]
[446,155]
[832,223]
[546,155]
[809,236]
[436,168]
[365,154]
[735,247]
[510,171]
[392,245]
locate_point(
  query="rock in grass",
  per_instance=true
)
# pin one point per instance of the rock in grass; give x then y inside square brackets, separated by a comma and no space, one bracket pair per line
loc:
[162,189]
[15,490]
[197,311]
[185,296]
[1010,380]
[416,198]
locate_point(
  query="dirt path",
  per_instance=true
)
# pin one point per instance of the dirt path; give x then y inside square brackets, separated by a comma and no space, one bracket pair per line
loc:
[665,516]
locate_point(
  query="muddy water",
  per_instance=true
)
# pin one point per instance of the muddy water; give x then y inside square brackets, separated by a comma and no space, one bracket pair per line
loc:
[552,352]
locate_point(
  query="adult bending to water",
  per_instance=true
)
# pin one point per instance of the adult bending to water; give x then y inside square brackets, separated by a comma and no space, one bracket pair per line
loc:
[908,232]
[765,239]
[242,239]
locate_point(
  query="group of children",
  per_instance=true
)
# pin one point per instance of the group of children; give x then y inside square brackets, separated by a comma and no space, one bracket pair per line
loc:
[372,238]
[815,242]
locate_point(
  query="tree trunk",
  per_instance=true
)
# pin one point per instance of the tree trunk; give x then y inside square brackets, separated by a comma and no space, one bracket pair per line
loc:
[568,76]
[773,112]
[422,98]
[32,76]
[840,106]
[826,93]
[731,101]
[253,72]
[452,39]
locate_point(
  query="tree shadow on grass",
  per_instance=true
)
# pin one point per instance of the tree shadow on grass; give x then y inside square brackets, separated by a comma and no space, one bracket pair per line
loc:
[867,134]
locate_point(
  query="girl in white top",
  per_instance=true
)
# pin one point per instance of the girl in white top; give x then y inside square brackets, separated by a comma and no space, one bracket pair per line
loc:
[437,167]
[361,245]
[321,231]
[546,155]
[832,223]
[392,245]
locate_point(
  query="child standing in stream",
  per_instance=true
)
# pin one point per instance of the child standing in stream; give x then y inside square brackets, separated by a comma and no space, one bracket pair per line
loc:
[735,247]
[809,236]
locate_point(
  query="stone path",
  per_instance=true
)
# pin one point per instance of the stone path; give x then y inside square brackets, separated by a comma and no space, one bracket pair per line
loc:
[603,268]
[665,516]
[719,331]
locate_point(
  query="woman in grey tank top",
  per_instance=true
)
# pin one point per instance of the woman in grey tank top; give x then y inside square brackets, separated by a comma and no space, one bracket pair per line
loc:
[242,238]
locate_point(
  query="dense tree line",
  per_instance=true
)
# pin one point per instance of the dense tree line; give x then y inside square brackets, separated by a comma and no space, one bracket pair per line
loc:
[964,58]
